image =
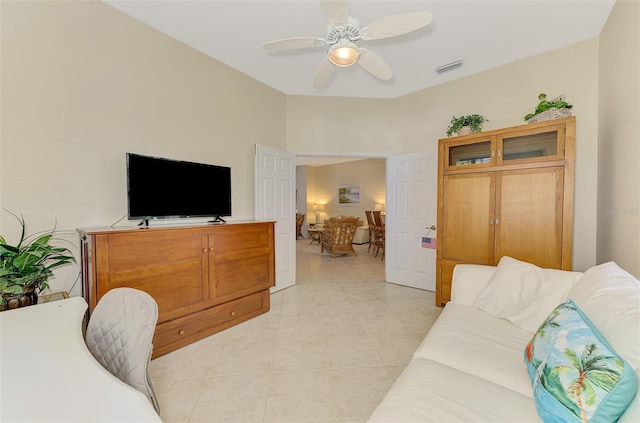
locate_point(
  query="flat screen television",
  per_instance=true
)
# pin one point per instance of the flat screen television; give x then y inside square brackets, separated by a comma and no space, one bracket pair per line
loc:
[159,188]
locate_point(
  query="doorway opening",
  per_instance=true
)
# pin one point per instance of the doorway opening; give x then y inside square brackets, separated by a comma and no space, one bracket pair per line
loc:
[320,178]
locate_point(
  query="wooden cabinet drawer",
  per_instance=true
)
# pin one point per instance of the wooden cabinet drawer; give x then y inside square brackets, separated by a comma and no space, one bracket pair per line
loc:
[187,329]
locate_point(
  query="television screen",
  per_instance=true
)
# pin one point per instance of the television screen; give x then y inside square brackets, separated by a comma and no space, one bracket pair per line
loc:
[164,188]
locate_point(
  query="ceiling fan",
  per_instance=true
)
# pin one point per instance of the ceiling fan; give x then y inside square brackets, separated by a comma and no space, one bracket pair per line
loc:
[344,32]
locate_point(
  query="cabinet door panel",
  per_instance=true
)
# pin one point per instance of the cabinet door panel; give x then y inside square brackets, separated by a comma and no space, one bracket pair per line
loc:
[231,239]
[529,146]
[469,154]
[529,204]
[167,265]
[232,276]
[468,210]
[241,261]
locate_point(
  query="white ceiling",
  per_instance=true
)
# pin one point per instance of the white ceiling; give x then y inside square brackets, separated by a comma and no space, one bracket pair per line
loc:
[483,33]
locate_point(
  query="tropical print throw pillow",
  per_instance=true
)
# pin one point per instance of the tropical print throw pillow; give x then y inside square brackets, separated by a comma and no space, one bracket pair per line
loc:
[575,374]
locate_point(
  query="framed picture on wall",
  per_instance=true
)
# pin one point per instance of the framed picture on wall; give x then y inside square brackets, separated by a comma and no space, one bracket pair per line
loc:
[349,195]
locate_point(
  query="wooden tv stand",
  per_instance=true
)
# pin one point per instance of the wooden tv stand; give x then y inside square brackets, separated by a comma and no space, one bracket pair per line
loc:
[205,278]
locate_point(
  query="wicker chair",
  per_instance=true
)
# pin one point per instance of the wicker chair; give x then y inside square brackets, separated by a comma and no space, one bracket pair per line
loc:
[337,235]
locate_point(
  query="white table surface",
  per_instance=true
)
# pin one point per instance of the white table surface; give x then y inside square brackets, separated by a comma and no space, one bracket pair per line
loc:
[48,374]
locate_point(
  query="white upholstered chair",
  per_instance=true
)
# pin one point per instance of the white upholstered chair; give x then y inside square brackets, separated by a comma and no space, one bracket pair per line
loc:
[362,235]
[119,336]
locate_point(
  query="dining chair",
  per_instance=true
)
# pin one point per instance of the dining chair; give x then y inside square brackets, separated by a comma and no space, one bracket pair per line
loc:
[372,224]
[379,235]
[119,336]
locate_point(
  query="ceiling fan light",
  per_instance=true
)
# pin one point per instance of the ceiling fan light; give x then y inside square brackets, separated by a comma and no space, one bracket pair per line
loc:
[344,53]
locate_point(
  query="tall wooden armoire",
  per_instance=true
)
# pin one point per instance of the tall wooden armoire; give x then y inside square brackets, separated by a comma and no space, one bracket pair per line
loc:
[506,192]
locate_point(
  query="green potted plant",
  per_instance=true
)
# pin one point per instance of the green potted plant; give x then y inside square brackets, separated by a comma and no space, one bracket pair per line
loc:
[472,122]
[26,266]
[554,109]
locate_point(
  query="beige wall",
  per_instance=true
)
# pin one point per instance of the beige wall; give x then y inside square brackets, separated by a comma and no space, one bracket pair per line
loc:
[323,182]
[332,125]
[619,139]
[504,95]
[82,84]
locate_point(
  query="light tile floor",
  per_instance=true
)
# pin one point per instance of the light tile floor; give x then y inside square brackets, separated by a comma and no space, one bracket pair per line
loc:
[328,350]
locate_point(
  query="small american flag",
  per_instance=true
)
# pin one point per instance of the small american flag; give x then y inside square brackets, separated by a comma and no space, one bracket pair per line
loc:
[429,242]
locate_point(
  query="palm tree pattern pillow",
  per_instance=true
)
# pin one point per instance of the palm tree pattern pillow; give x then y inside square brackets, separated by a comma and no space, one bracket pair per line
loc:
[575,374]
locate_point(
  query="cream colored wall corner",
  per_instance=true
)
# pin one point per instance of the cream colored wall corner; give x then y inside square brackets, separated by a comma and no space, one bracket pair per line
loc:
[504,95]
[1,131]
[311,195]
[83,83]
[301,197]
[619,139]
[368,173]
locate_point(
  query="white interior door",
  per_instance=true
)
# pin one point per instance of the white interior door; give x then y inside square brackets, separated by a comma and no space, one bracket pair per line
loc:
[411,209]
[275,187]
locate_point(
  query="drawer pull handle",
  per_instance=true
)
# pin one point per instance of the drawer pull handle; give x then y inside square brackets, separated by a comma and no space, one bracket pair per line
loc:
[211,249]
[181,332]
[204,250]
[233,313]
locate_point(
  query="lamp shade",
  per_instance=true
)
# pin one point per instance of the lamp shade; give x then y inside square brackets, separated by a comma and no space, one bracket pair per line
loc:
[379,207]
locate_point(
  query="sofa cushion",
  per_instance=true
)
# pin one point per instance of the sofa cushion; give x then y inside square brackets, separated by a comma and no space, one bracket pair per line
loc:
[610,297]
[428,391]
[574,371]
[469,280]
[480,344]
[632,415]
[524,293]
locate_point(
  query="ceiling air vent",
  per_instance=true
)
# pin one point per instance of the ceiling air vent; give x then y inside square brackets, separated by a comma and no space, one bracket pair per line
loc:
[449,66]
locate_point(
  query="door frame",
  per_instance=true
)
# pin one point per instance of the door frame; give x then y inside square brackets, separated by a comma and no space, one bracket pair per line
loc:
[368,156]
[345,156]
[352,156]
[279,177]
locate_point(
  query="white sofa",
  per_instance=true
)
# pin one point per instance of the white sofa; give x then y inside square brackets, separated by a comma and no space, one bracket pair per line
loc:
[470,366]
[362,235]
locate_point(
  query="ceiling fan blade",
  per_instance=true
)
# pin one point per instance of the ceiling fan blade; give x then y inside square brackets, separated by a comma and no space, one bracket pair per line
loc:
[293,43]
[336,11]
[374,64]
[395,25]
[324,72]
